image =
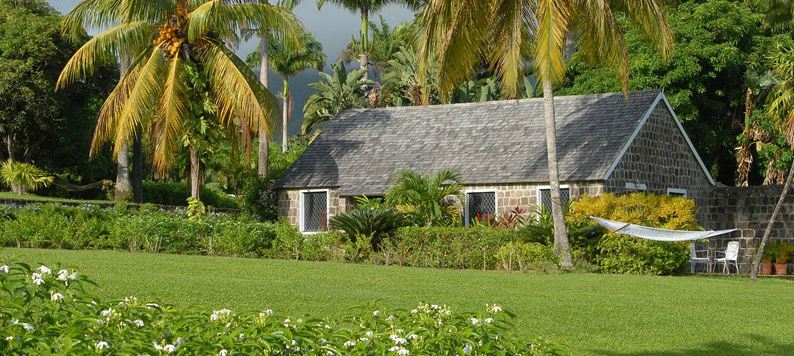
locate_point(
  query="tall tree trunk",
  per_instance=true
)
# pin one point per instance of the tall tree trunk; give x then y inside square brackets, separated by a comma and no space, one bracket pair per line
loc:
[137,166]
[263,139]
[123,189]
[759,252]
[285,116]
[10,146]
[363,59]
[561,245]
[195,173]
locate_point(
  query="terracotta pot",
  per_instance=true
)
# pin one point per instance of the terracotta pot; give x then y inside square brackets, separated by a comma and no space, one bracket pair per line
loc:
[766,268]
[781,269]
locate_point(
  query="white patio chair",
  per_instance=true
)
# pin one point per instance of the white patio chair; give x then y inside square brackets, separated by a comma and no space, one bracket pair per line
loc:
[698,257]
[729,257]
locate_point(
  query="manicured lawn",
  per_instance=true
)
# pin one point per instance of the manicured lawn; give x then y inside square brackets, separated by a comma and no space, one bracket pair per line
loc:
[601,314]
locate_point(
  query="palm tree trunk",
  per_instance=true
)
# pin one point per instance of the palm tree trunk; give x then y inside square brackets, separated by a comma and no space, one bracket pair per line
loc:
[123,189]
[137,166]
[195,173]
[759,252]
[364,56]
[263,139]
[285,116]
[561,245]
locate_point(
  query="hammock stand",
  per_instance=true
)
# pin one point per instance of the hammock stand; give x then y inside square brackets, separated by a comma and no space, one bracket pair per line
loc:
[656,234]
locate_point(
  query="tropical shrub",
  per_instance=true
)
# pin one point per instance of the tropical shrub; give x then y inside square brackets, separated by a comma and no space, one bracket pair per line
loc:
[527,256]
[423,199]
[372,224]
[513,219]
[450,247]
[23,177]
[176,194]
[47,312]
[614,253]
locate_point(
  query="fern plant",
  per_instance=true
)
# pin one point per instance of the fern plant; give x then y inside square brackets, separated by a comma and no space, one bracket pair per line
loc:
[24,177]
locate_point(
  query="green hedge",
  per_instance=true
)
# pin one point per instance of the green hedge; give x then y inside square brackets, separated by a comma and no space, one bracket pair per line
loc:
[47,311]
[449,247]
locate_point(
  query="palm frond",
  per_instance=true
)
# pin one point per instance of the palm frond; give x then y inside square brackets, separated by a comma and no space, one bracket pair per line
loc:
[512,21]
[126,38]
[552,28]
[236,90]
[650,16]
[224,18]
[601,38]
[111,110]
[172,113]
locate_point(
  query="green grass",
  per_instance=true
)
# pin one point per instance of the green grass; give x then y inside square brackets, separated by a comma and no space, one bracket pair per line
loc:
[593,314]
[14,196]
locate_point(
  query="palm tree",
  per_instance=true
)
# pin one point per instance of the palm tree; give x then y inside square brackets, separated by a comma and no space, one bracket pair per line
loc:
[287,60]
[264,58]
[365,8]
[335,92]
[781,108]
[168,40]
[422,198]
[511,33]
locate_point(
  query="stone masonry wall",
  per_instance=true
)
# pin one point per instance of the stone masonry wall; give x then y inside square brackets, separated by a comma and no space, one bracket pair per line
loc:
[289,204]
[509,196]
[660,158]
[748,209]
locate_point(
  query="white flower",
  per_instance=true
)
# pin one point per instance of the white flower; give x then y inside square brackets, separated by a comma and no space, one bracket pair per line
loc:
[413,336]
[218,314]
[44,270]
[153,306]
[268,312]
[242,336]
[376,313]
[4,268]
[63,272]
[108,313]
[167,348]
[474,321]
[138,322]
[414,311]
[399,331]
[496,309]
[467,349]
[223,352]
[27,326]
[9,338]
[180,341]
[350,343]
[38,281]
[369,334]
[390,318]
[56,297]
[102,345]
[488,320]
[73,276]
[399,350]
[364,339]
[398,340]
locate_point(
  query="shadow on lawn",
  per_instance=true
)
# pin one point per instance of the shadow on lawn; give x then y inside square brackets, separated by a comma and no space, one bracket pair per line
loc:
[762,345]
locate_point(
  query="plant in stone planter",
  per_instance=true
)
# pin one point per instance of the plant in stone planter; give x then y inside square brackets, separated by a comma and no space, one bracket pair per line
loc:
[766,260]
[782,257]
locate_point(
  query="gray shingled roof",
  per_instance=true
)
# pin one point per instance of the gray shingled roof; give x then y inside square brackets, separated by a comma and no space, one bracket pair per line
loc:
[493,142]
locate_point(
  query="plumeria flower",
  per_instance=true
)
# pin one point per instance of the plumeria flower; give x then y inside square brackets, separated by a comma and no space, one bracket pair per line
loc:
[4,268]
[138,322]
[496,309]
[102,345]
[399,350]
[223,352]
[488,320]
[9,338]
[369,334]
[467,349]
[56,297]
[350,343]
[398,340]
[180,341]
[219,314]
[44,270]
[364,339]
[474,321]
[108,313]
[153,306]
[268,312]
[413,337]
[376,313]
[27,326]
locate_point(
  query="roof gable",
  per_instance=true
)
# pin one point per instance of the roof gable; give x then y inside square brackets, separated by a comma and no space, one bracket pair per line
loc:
[489,143]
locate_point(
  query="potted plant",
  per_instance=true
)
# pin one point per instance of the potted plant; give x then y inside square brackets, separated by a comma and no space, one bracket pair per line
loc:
[766,260]
[781,258]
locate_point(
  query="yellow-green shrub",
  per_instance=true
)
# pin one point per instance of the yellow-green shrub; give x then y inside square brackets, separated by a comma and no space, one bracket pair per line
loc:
[615,253]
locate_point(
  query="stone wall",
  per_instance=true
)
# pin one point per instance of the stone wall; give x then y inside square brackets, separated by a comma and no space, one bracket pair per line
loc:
[660,158]
[748,209]
[509,196]
[289,204]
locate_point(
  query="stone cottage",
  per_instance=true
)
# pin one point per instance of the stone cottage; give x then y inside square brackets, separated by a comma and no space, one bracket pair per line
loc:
[606,143]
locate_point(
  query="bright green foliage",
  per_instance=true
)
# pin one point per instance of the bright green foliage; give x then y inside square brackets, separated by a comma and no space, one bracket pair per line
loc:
[450,247]
[422,198]
[527,257]
[779,252]
[24,177]
[719,46]
[257,198]
[176,194]
[385,43]
[50,312]
[195,209]
[372,224]
[335,92]
[625,254]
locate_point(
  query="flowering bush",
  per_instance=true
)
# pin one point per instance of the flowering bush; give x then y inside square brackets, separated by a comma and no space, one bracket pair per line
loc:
[43,311]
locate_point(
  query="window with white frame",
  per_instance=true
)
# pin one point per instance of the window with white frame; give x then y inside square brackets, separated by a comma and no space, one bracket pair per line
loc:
[544,196]
[677,192]
[480,205]
[314,210]
[636,187]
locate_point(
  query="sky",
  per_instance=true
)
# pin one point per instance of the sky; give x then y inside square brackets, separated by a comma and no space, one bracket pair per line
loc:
[333,27]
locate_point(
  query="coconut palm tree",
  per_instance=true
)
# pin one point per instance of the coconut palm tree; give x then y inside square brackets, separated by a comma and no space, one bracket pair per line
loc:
[365,8]
[168,39]
[513,33]
[264,68]
[335,92]
[290,59]
[781,108]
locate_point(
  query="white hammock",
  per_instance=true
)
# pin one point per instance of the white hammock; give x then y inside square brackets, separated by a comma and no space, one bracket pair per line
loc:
[652,233]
